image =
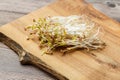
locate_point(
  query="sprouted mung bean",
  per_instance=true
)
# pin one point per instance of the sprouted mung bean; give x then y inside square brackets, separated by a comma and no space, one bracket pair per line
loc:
[66,33]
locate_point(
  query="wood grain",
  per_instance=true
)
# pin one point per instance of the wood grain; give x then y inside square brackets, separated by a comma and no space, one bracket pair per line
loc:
[27,58]
[11,10]
[97,4]
[10,67]
[110,8]
[103,64]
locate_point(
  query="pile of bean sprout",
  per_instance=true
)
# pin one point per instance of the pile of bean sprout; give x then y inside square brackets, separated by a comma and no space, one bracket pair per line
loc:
[66,34]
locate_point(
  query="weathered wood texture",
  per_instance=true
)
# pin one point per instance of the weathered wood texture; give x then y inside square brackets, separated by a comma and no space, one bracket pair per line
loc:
[110,8]
[27,58]
[10,10]
[10,68]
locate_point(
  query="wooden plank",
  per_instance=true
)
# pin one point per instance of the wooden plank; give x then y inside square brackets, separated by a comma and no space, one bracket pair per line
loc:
[11,10]
[110,8]
[104,65]
[27,58]
[10,68]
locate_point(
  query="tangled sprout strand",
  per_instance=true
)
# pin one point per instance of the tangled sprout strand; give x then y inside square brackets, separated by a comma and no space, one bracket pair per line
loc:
[53,34]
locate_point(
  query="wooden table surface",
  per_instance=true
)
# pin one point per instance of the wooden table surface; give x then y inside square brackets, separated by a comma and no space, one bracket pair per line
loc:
[10,68]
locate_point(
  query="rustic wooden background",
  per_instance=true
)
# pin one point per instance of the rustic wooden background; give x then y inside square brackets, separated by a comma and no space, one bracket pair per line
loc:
[10,68]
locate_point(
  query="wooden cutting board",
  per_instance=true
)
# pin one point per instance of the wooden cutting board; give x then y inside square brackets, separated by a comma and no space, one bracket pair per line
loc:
[79,65]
